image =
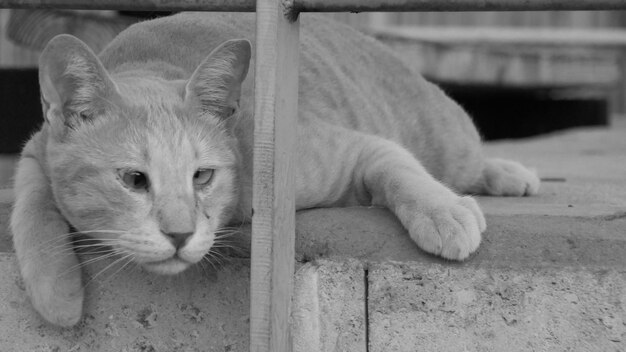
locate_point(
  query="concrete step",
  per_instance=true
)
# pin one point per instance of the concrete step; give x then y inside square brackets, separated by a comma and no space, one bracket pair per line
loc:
[135,311]
[443,308]
[550,275]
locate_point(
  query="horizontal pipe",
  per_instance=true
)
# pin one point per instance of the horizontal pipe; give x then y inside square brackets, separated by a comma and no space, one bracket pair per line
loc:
[135,5]
[321,5]
[453,5]
[573,37]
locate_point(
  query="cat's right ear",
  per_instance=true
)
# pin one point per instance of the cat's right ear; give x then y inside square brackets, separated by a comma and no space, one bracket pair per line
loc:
[75,86]
[216,84]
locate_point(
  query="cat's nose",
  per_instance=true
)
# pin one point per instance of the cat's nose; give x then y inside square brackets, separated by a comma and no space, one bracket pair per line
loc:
[178,239]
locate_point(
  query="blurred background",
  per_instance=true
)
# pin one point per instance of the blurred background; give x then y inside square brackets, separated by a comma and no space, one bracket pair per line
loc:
[518,74]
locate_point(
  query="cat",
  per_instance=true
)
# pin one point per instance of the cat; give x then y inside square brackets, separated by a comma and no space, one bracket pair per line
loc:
[148,148]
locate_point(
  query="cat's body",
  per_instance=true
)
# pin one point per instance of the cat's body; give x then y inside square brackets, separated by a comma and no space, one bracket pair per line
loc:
[337,76]
[151,150]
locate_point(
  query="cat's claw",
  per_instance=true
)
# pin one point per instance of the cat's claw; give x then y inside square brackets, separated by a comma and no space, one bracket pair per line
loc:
[59,302]
[451,230]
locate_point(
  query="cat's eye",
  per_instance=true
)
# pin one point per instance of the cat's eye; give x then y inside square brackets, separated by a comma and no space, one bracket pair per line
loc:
[135,180]
[203,177]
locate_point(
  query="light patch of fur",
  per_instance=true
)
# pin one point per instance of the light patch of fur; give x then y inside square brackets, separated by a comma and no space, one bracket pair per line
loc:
[216,82]
[88,83]
[370,131]
[216,73]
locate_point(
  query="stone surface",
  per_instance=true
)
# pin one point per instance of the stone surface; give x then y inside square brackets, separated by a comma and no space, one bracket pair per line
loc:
[132,311]
[329,307]
[584,172]
[442,308]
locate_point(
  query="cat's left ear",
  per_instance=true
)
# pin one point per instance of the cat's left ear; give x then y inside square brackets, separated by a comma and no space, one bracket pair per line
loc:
[216,83]
[75,86]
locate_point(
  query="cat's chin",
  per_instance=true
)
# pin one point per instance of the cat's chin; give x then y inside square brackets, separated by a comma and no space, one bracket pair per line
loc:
[170,266]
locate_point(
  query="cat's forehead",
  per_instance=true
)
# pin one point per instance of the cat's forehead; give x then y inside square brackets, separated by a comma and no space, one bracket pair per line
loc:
[153,105]
[171,144]
[153,123]
[150,92]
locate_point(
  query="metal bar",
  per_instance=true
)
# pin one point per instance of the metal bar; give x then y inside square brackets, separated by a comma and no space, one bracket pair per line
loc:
[453,5]
[273,201]
[598,38]
[135,5]
[322,5]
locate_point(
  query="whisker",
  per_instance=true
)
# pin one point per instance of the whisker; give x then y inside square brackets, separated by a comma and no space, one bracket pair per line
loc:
[206,268]
[84,252]
[217,253]
[107,268]
[79,240]
[67,235]
[130,260]
[225,245]
[44,248]
[205,258]
[221,235]
[87,245]
[48,253]
[87,262]
[96,250]
[93,231]
[63,249]
[223,230]
[201,265]
[213,256]
[236,227]
[230,228]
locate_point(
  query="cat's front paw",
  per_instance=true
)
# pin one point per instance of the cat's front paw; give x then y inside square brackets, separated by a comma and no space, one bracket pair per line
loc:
[60,302]
[508,178]
[451,229]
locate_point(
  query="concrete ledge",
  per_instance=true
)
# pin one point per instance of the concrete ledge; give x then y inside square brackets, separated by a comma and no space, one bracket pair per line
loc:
[135,311]
[329,307]
[442,309]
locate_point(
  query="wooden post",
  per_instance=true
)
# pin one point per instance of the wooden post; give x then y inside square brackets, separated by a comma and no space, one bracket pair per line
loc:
[273,222]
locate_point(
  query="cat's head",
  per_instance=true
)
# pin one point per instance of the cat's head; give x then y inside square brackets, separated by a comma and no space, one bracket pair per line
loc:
[146,165]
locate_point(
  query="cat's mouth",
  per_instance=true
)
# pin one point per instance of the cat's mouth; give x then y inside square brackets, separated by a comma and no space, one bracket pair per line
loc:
[169,266]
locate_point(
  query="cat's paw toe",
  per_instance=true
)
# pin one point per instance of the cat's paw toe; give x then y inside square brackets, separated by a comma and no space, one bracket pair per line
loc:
[509,178]
[452,230]
[57,302]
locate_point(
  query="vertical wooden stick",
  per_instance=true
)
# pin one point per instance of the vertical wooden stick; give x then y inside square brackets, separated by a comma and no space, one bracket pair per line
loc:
[273,222]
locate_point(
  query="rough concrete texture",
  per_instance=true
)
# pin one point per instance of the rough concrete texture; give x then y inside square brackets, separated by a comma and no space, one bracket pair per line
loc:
[549,276]
[439,308]
[329,307]
[134,311]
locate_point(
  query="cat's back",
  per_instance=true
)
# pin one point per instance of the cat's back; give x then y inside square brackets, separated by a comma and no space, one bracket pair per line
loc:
[183,40]
[355,81]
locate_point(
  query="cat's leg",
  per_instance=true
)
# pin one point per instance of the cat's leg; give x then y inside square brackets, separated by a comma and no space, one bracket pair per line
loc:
[343,165]
[47,262]
[502,177]
[438,220]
